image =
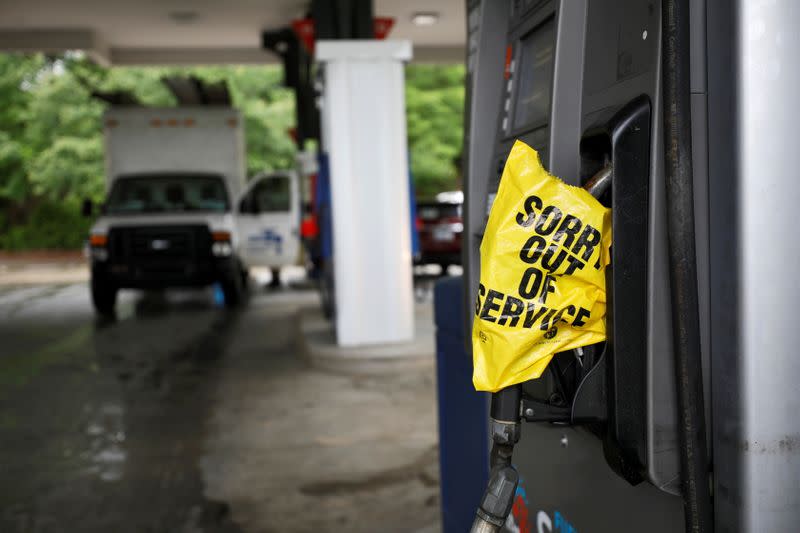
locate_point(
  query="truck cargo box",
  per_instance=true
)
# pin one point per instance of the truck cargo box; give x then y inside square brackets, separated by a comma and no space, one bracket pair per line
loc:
[179,139]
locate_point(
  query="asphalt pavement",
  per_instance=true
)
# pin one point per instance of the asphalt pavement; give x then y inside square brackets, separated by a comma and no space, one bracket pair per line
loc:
[180,415]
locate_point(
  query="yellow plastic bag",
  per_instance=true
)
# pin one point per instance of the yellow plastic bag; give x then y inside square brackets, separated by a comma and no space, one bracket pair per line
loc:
[542,287]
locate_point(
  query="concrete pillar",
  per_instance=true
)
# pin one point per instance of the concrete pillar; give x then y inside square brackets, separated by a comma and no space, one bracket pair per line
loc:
[364,132]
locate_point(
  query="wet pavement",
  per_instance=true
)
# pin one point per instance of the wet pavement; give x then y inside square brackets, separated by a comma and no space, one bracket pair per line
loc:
[182,416]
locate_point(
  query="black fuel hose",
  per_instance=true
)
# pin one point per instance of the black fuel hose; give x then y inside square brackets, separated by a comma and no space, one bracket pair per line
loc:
[683,266]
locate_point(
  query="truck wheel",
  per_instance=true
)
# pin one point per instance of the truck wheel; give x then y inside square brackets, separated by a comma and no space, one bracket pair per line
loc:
[104,297]
[233,290]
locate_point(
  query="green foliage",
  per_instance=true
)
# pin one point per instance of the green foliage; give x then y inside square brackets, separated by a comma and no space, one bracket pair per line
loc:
[70,167]
[49,225]
[16,75]
[51,147]
[13,179]
[435,107]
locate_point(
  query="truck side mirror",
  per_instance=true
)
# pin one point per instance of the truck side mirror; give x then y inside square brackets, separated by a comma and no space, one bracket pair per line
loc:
[87,207]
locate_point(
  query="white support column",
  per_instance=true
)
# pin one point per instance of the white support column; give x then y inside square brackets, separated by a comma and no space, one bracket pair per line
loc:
[364,128]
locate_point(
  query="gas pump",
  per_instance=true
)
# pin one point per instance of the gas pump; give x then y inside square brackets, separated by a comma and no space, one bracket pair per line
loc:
[600,441]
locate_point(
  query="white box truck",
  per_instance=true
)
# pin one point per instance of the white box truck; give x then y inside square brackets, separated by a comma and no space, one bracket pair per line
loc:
[178,211]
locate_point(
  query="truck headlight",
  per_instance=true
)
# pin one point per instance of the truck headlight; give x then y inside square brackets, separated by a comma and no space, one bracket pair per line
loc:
[97,246]
[221,246]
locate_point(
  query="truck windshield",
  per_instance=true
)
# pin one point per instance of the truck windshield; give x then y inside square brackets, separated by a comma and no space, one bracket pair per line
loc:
[167,193]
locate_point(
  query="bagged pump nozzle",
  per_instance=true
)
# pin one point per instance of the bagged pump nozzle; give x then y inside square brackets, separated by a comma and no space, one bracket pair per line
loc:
[505,419]
[542,275]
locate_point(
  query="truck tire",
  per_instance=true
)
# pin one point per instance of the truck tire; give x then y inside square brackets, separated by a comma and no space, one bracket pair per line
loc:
[245,279]
[234,290]
[104,297]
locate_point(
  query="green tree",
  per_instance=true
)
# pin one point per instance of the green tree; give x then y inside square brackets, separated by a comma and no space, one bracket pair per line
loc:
[435,108]
[17,76]
[62,134]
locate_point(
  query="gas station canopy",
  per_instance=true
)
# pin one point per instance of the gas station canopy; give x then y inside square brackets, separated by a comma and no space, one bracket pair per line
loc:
[146,32]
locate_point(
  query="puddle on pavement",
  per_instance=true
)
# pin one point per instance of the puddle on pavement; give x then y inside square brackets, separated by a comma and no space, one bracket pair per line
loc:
[106,432]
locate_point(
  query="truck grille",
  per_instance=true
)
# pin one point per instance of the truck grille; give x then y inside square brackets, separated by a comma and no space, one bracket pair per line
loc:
[160,252]
[162,243]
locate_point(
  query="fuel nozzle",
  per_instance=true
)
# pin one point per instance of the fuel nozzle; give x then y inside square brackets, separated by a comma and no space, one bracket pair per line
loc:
[497,500]
[503,480]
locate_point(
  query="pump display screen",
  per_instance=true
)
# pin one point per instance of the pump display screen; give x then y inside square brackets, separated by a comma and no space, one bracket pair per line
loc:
[534,77]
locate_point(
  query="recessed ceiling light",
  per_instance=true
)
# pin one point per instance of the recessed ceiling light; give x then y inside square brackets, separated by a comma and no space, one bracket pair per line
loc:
[183,17]
[428,18]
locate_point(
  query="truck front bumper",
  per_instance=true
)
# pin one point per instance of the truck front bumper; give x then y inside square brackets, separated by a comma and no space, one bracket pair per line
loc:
[156,257]
[161,275]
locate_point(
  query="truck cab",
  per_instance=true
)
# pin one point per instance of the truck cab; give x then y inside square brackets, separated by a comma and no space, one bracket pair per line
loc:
[268,220]
[179,212]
